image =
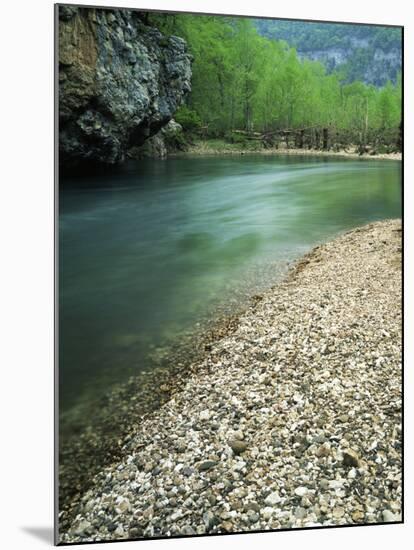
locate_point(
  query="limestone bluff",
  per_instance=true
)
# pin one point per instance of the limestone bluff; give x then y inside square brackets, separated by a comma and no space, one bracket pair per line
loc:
[120,82]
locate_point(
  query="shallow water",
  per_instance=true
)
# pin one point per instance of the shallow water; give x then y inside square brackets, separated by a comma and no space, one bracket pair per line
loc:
[150,249]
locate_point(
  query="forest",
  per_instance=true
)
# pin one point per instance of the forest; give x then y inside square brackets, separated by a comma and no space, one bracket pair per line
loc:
[250,87]
[369,53]
[307,35]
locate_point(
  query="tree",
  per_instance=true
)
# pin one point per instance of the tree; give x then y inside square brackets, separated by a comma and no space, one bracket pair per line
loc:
[244,81]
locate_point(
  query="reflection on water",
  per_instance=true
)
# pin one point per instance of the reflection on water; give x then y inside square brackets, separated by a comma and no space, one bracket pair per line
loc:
[149,249]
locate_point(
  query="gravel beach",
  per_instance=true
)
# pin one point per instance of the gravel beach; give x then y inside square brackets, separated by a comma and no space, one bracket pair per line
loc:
[292,419]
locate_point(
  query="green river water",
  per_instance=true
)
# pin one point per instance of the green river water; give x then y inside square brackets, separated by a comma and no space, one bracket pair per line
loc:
[148,250]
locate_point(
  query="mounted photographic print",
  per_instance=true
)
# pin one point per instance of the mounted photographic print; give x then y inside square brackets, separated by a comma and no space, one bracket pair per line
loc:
[229,269]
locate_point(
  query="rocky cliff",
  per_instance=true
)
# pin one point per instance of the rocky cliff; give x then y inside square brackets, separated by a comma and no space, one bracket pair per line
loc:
[120,82]
[370,53]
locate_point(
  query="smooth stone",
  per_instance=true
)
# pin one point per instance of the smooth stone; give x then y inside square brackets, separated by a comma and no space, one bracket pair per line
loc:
[324,484]
[252,506]
[119,531]
[336,483]
[323,450]
[267,512]
[204,466]
[351,458]
[305,502]
[124,505]
[338,512]
[272,499]
[83,526]
[237,446]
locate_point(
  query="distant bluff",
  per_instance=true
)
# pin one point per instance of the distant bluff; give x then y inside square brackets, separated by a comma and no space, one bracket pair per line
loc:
[369,53]
[120,82]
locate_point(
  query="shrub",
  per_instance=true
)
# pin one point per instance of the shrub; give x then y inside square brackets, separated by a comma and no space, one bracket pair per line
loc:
[234,137]
[188,118]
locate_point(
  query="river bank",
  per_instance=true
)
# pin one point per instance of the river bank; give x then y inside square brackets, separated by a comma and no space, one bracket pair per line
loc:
[220,147]
[286,422]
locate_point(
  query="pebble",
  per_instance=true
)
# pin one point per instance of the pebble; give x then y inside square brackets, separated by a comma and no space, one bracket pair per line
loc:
[273,499]
[338,512]
[207,465]
[351,458]
[237,446]
[205,415]
[252,506]
[227,526]
[82,527]
[301,491]
[119,532]
[267,512]
[323,484]
[324,450]
[253,518]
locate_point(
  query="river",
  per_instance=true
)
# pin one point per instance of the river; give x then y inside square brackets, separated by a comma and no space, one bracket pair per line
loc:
[148,250]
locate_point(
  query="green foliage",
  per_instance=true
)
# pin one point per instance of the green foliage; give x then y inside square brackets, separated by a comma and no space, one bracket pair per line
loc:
[387,108]
[233,137]
[307,35]
[387,39]
[242,80]
[364,48]
[188,118]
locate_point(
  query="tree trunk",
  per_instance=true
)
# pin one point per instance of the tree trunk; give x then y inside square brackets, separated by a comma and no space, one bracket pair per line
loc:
[316,139]
[366,123]
[300,141]
[325,139]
